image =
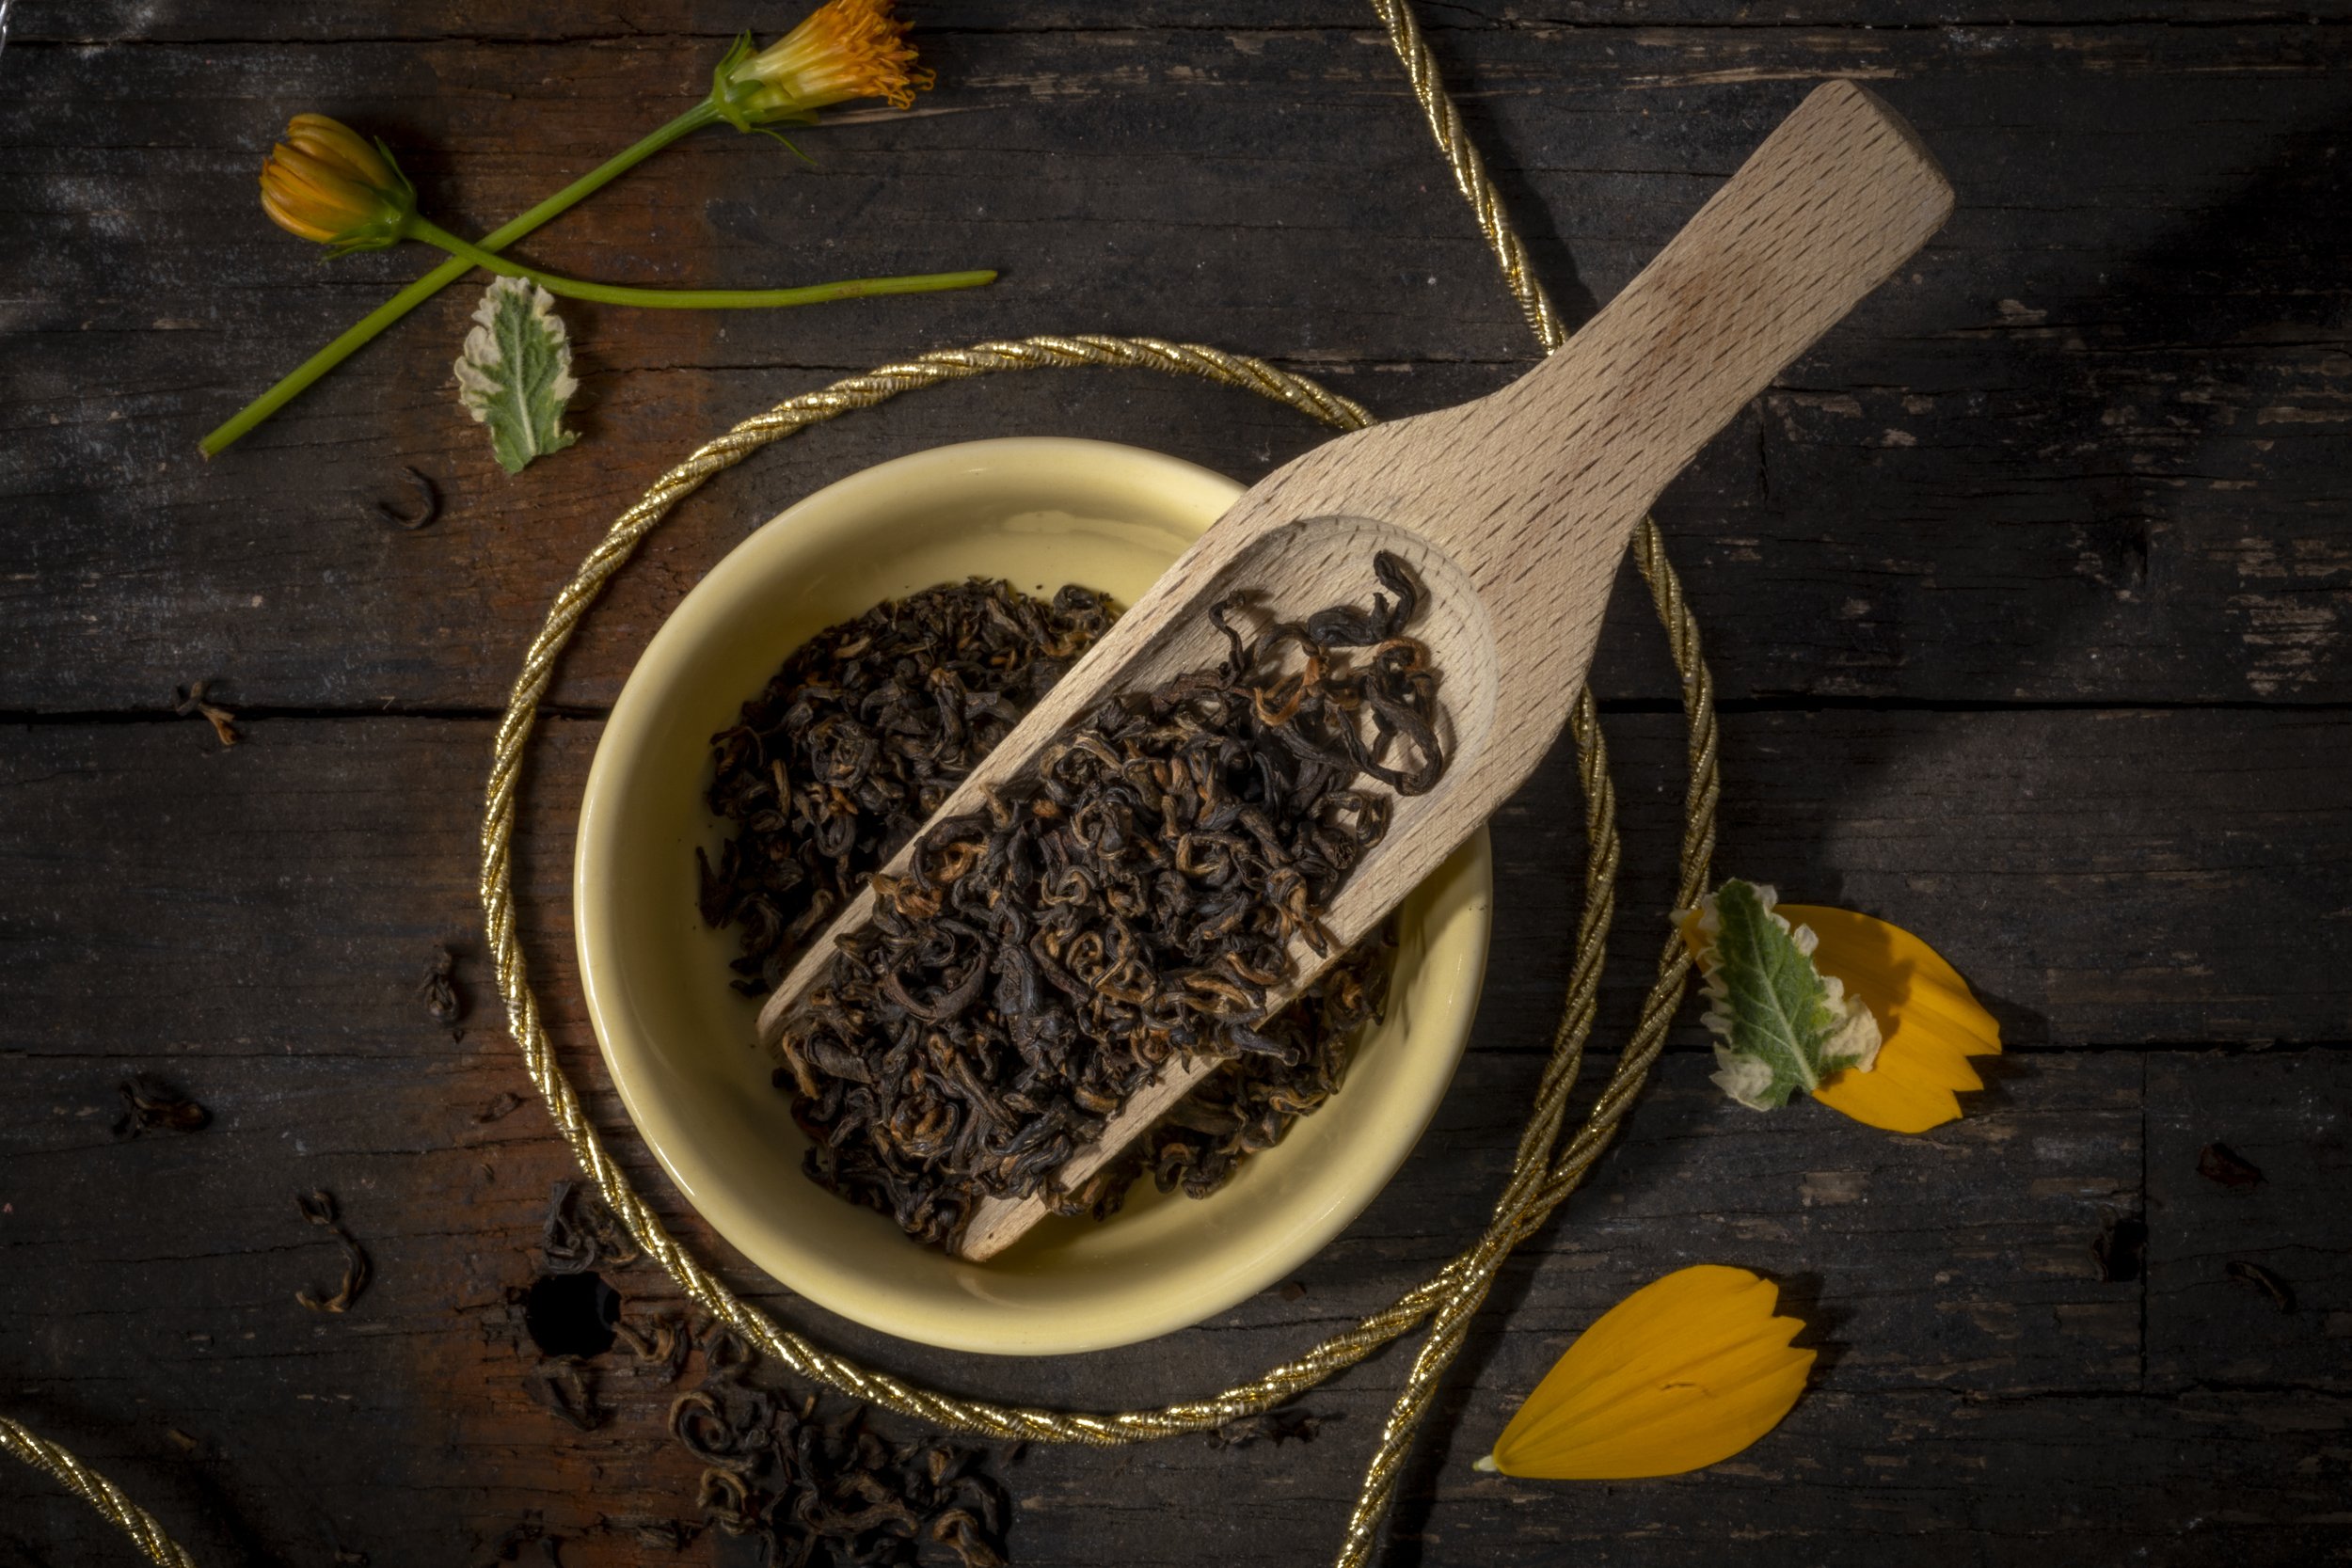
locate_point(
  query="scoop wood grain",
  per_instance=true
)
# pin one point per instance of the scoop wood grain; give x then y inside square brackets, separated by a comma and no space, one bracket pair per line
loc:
[1514,511]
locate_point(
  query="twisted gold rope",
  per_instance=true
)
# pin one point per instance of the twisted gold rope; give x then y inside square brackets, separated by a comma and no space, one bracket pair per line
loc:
[97,1491]
[1539,1183]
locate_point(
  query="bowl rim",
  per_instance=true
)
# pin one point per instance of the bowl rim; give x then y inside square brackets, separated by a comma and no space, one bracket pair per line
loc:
[1462,896]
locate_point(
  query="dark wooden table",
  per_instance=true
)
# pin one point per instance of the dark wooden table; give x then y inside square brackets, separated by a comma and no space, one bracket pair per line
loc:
[2029,594]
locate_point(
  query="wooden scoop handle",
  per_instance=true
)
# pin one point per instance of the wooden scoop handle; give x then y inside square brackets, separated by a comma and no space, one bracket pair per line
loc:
[1833,201]
[1516,509]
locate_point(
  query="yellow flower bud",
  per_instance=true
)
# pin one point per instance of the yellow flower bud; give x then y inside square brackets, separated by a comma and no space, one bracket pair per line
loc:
[324,183]
[844,49]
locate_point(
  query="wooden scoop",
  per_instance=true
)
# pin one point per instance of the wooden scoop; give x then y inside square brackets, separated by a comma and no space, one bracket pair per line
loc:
[1513,510]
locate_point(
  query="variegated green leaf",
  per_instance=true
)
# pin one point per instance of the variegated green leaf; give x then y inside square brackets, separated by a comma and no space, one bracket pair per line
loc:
[1781,1024]
[515,374]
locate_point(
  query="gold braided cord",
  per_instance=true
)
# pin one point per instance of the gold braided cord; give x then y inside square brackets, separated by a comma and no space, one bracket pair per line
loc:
[1469,171]
[97,1491]
[1538,1181]
[1534,1190]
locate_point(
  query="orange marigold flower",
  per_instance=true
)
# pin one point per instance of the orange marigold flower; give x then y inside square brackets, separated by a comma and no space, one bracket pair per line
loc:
[1681,1374]
[844,49]
[1929,1023]
[326,183]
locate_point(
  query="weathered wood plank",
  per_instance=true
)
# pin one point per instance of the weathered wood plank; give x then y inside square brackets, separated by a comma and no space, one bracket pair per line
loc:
[2092,453]
[126,21]
[2104,879]
[1979,1376]
[2286,1115]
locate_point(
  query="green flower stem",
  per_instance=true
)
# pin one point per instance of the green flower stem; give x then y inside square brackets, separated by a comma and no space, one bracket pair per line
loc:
[334,353]
[692,299]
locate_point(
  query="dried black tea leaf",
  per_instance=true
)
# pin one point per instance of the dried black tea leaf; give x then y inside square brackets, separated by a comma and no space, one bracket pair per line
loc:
[1272,1426]
[152,1105]
[443,1001]
[659,1344]
[659,1535]
[725,1502]
[563,1384]
[2255,1276]
[425,503]
[319,1209]
[189,700]
[2120,1249]
[505,1104]
[528,1541]
[2218,1162]
[815,1487]
[1133,902]
[580,1233]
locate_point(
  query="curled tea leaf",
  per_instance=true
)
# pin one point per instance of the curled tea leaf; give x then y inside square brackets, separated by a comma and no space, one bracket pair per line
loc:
[515,373]
[443,1001]
[319,1209]
[580,1233]
[659,1344]
[152,1105]
[2218,1162]
[1271,1426]
[425,504]
[562,1383]
[2254,1277]
[190,700]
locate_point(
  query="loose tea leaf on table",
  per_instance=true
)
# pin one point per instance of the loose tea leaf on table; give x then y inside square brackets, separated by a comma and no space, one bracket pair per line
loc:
[2218,1162]
[320,1210]
[443,1001]
[564,1384]
[193,699]
[424,502]
[2255,1276]
[1133,901]
[580,1233]
[152,1105]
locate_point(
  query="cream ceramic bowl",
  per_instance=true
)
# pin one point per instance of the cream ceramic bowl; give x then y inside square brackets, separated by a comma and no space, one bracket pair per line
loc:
[679,1040]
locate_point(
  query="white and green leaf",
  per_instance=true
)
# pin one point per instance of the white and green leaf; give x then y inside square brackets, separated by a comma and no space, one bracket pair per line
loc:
[515,373]
[1780,1023]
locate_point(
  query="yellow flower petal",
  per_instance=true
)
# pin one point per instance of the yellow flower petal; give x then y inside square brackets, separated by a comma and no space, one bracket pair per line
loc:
[1681,1374]
[1929,1021]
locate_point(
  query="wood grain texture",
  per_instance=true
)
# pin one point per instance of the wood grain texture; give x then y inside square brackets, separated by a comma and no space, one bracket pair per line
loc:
[2141,451]
[2110,398]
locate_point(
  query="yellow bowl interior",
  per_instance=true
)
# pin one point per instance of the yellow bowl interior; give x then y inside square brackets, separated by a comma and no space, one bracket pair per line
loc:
[1039,512]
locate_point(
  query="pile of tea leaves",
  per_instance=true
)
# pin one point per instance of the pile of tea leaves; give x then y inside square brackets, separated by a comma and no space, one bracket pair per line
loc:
[1133,901]
[861,735]
[823,1489]
[797,855]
